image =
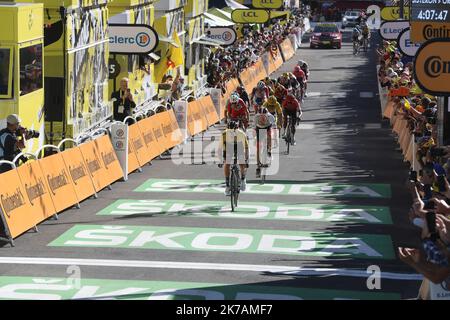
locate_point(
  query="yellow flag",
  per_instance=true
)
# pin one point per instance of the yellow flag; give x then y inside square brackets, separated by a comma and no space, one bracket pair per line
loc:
[176,55]
[407,104]
[161,69]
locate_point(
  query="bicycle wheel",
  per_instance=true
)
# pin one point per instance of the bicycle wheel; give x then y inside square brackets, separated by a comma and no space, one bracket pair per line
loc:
[288,136]
[234,186]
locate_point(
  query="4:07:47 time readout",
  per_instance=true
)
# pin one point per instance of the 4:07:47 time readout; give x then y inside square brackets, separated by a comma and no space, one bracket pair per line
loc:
[231,309]
[432,14]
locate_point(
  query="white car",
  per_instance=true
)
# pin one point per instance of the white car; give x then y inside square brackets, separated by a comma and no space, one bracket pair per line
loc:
[350,19]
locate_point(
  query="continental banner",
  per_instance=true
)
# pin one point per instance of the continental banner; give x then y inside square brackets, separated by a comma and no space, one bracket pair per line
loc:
[176,136]
[36,189]
[136,142]
[152,144]
[208,106]
[82,181]
[196,120]
[252,75]
[59,182]
[287,50]
[17,210]
[109,159]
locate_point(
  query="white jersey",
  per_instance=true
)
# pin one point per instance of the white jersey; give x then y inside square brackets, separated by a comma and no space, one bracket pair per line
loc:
[264,120]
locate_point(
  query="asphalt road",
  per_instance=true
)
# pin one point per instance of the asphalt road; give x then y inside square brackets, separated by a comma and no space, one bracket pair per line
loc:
[337,206]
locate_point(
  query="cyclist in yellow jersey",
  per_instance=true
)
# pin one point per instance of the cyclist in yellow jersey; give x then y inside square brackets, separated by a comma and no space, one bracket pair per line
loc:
[229,136]
[274,108]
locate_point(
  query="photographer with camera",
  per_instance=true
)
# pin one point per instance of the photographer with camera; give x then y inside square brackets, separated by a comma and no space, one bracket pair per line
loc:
[124,103]
[12,140]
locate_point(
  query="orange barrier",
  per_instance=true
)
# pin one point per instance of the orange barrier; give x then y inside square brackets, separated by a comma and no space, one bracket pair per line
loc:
[153,147]
[17,211]
[389,110]
[110,161]
[137,144]
[82,181]
[59,181]
[210,111]
[37,191]
[252,75]
[133,163]
[102,166]
[172,134]
[196,120]
[287,50]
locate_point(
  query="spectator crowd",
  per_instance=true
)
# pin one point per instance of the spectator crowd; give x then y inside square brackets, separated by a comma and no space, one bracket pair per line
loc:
[429,182]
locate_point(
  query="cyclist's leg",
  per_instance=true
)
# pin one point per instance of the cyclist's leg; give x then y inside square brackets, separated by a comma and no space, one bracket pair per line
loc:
[269,141]
[285,114]
[226,170]
[257,146]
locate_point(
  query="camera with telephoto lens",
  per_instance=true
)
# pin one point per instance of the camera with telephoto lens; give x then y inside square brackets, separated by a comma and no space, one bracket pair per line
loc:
[28,133]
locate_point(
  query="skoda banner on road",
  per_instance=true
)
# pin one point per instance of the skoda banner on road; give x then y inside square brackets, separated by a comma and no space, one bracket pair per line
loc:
[432,67]
[406,46]
[390,30]
[226,35]
[132,39]
[246,16]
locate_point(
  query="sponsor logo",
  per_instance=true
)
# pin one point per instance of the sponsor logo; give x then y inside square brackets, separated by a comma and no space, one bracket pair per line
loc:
[57,182]
[108,158]
[35,191]
[435,31]
[77,173]
[12,202]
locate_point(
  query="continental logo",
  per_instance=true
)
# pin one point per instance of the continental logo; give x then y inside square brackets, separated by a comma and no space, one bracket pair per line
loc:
[430,31]
[197,116]
[12,202]
[35,191]
[167,130]
[93,165]
[148,137]
[137,144]
[129,149]
[77,173]
[56,182]
[108,158]
[432,66]
[157,132]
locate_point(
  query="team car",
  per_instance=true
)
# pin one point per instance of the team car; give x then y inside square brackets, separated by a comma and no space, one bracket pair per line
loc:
[350,19]
[326,35]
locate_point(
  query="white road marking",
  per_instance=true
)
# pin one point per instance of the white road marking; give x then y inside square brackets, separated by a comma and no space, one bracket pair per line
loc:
[286,270]
[366,94]
[306,126]
[313,94]
[372,126]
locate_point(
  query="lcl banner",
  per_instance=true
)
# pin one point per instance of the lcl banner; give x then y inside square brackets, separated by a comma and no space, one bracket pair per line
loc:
[432,67]
[267,4]
[250,16]
[393,13]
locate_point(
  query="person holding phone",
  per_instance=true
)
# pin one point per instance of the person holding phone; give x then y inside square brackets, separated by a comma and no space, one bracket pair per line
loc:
[124,103]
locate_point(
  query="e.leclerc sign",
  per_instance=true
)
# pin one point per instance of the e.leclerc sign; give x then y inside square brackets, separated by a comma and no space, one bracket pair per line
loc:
[132,39]
[406,45]
[227,35]
[432,67]
[391,29]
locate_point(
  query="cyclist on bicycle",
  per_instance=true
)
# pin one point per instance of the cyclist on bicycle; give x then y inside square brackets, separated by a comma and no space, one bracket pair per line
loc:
[259,95]
[365,31]
[280,92]
[270,85]
[243,95]
[264,121]
[237,110]
[231,135]
[274,108]
[293,110]
[301,78]
[356,34]
[305,69]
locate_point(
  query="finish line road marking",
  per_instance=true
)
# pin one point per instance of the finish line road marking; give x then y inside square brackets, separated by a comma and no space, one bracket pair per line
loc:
[305,243]
[281,270]
[250,210]
[361,190]
[33,288]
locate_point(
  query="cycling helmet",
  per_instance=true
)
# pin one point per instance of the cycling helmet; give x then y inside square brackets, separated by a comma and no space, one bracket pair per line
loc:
[232,125]
[261,85]
[234,98]
[272,100]
[263,110]
[301,63]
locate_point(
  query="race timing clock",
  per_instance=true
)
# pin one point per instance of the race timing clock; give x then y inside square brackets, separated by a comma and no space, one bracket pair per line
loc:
[430,10]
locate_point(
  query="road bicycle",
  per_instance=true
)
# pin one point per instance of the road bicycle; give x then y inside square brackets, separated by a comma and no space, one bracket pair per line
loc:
[289,133]
[365,44]
[356,47]
[235,181]
[264,157]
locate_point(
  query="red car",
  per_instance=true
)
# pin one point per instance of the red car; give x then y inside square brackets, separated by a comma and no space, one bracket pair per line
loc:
[326,35]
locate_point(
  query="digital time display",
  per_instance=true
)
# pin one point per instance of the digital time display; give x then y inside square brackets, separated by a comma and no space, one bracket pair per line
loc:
[430,10]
